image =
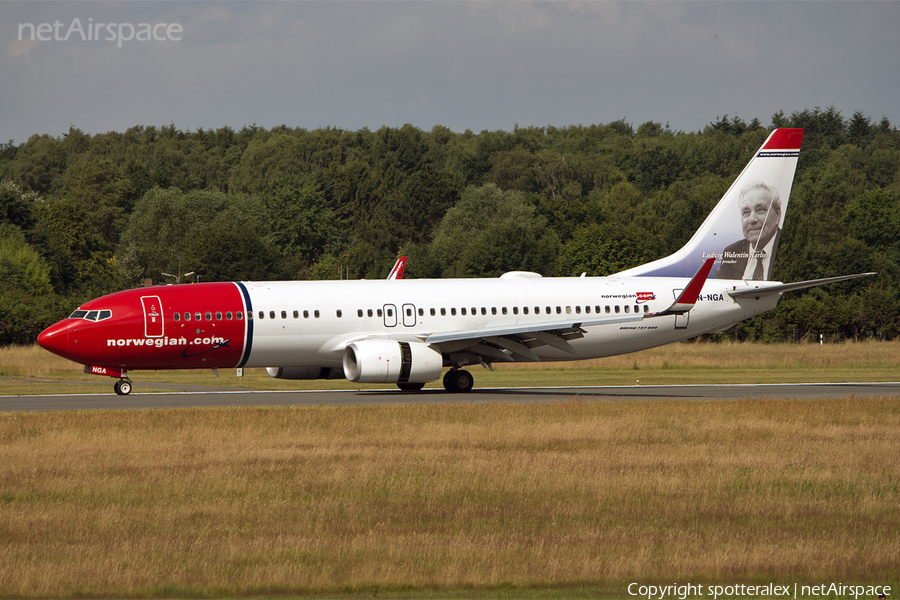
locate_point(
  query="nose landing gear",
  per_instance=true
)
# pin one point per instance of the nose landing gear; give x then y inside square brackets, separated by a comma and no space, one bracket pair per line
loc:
[123,387]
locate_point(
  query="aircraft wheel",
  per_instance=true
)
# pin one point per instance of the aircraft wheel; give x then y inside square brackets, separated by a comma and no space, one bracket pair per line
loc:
[458,381]
[411,387]
[122,387]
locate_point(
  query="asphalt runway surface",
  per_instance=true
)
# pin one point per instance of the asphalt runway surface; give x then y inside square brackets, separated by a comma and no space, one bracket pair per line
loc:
[137,400]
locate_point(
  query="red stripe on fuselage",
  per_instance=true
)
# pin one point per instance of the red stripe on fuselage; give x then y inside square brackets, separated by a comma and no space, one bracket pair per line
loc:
[125,341]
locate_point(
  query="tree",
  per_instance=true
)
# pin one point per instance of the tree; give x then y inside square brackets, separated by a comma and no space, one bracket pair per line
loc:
[301,216]
[490,232]
[167,224]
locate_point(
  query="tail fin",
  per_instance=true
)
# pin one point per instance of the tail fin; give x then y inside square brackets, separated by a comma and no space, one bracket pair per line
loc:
[743,230]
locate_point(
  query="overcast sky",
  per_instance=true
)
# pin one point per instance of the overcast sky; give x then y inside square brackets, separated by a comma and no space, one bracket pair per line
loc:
[461,64]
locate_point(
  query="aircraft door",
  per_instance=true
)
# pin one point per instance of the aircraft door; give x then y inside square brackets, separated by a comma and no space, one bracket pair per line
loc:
[390,315]
[153,316]
[681,321]
[409,315]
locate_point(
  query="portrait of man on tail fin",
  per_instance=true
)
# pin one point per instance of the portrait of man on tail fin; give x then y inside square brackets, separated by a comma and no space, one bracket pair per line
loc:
[752,257]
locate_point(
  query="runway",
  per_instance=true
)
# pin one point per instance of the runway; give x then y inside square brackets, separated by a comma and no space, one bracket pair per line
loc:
[137,400]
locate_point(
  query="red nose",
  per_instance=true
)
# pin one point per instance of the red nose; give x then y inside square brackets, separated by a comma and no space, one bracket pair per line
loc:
[56,338]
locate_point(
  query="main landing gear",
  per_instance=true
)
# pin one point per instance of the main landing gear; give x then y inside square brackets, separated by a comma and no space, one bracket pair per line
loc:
[123,387]
[458,381]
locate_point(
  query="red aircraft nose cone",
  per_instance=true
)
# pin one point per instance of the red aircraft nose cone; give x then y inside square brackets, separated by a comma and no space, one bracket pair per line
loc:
[55,339]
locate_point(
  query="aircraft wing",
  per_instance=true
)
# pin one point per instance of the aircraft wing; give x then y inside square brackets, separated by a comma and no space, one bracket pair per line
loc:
[398,269]
[505,343]
[490,343]
[765,290]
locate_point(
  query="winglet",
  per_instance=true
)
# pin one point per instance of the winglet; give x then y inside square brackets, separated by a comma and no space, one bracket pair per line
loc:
[691,292]
[399,268]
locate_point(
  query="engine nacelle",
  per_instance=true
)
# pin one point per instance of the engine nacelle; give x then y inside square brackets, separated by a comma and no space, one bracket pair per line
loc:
[391,361]
[304,373]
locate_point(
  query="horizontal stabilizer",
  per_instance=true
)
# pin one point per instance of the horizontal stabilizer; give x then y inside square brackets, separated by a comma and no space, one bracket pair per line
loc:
[780,288]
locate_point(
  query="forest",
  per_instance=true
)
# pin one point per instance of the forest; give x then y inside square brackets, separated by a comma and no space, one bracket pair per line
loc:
[83,215]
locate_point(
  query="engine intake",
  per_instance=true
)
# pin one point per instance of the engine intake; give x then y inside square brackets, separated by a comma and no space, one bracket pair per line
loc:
[391,361]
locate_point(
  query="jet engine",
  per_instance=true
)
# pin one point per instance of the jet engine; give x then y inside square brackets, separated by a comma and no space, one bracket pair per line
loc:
[304,373]
[391,361]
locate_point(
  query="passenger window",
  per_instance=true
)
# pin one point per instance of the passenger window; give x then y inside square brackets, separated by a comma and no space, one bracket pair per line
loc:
[379,313]
[504,310]
[548,311]
[421,312]
[284,314]
[262,315]
[597,309]
[239,315]
[443,312]
[271,314]
[646,308]
[626,308]
[249,315]
[617,309]
[515,310]
[637,308]
[316,314]
[339,313]
[559,310]
[453,312]
[409,312]
[493,310]
[431,312]
[359,313]
[198,316]
[463,310]
[305,314]
[587,309]
[177,316]
[218,316]
[187,316]
[607,309]
[525,310]
[228,316]
[568,310]
[577,310]
[483,310]
[369,313]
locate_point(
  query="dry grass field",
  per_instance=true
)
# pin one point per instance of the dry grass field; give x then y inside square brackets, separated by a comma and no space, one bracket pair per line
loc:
[559,500]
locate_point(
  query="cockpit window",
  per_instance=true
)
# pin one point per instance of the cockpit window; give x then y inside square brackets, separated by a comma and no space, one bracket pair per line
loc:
[91,315]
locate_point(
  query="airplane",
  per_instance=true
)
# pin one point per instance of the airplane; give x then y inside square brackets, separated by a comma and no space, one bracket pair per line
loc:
[398,269]
[407,331]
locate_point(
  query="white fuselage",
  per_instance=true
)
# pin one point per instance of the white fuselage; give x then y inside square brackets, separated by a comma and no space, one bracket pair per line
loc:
[310,323]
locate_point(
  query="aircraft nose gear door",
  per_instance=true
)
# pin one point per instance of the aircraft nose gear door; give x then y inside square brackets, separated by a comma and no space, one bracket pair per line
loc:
[153,316]
[409,315]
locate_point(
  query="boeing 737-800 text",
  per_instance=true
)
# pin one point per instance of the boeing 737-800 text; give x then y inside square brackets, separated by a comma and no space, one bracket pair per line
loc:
[407,331]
